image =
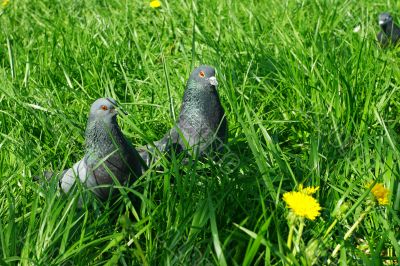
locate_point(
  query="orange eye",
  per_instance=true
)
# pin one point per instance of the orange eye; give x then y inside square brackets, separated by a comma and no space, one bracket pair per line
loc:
[104,108]
[201,74]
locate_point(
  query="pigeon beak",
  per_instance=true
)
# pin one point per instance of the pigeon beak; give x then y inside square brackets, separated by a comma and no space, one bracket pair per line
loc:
[113,111]
[213,81]
[381,22]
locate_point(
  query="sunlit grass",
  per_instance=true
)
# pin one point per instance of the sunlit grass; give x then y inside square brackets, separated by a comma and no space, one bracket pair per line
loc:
[309,102]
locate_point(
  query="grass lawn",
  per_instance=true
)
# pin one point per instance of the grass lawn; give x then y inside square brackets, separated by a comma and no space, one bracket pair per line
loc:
[310,99]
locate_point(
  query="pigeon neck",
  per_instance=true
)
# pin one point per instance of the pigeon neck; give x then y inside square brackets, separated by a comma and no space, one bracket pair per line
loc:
[198,99]
[102,137]
[388,28]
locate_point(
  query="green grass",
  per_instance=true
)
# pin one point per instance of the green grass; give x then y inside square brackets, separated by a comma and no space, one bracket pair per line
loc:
[308,101]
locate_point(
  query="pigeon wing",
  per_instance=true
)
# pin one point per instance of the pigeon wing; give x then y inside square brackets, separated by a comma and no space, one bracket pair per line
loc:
[78,171]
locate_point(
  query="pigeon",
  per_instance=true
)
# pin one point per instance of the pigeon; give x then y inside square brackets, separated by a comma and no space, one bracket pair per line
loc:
[201,126]
[108,154]
[390,33]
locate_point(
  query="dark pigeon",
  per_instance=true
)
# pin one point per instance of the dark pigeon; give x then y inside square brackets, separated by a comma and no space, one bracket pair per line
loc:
[390,33]
[108,154]
[201,125]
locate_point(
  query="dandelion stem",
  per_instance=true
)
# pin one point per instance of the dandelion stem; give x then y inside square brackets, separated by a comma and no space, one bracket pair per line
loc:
[290,236]
[351,230]
[299,234]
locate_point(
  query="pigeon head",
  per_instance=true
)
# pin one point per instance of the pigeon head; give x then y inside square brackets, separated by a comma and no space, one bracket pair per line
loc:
[203,77]
[385,19]
[103,109]
[102,126]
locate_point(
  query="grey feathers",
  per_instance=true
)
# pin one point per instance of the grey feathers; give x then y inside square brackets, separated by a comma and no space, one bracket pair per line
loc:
[202,124]
[109,157]
[390,33]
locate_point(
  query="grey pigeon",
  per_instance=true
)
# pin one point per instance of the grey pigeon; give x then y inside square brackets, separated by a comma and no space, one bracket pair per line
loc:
[107,153]
[201,124]
[390,33]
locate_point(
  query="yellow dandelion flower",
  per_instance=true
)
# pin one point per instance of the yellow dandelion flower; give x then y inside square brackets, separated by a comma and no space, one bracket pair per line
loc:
[5,3]
[381,194]
[302,205]
[155,4]
[308,190]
